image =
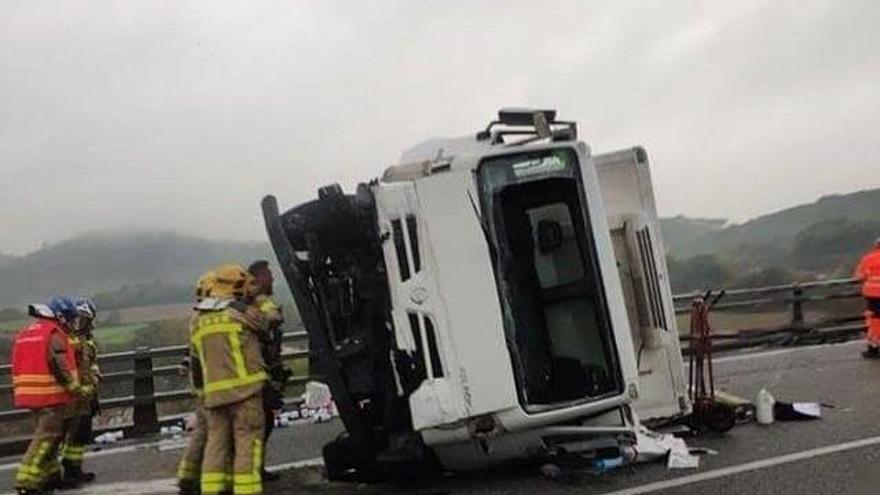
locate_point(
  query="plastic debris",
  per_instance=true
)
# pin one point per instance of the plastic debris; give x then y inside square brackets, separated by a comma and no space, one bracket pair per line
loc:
[110,437]
[605,465]
[172,430]
[764,407]
[317,395]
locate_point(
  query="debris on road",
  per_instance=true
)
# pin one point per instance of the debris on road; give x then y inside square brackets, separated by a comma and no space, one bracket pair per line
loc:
[652,446]
[110,437]
[709,414]
[797,411]
[764,403]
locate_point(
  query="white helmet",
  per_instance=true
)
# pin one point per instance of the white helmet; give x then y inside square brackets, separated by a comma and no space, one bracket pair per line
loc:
[86,308]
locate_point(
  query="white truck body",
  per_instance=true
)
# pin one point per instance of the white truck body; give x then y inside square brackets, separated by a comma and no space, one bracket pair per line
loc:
[528,299]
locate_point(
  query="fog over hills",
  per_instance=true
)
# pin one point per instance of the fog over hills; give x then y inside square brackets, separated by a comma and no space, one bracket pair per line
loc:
[823,238]
[100,262]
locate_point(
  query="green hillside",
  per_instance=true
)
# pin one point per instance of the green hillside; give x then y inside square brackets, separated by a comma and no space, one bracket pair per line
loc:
[149,267]
[820,239]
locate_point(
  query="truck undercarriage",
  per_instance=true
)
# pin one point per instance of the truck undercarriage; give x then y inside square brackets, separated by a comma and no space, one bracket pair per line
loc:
[330,252]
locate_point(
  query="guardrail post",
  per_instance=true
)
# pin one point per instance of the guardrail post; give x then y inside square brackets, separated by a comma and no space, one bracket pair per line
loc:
[797,307]
[146,414]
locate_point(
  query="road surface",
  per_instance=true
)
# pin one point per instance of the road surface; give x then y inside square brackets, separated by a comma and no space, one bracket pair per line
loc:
[838,454]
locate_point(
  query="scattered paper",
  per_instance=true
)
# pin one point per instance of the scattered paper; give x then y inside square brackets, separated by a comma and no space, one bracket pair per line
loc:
[651,446]
[682,459]
[808,408]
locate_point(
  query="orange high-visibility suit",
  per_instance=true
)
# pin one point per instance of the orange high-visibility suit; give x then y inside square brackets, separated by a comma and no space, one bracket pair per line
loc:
[868,272]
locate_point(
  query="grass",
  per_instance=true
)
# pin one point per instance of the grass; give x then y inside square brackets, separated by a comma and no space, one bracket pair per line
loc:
[118,335]
[13,325]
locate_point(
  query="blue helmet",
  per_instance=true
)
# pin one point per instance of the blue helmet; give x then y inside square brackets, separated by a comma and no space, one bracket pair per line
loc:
[62,307]
[85,307]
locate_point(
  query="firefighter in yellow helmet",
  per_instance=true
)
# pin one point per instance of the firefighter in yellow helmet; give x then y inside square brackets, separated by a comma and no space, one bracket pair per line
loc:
[189,469]
[225,335]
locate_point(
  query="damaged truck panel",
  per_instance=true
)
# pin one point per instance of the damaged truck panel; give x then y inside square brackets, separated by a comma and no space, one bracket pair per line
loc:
[628,196]
[423,303]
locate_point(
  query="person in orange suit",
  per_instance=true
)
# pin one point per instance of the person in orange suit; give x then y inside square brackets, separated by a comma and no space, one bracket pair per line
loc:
[868,272]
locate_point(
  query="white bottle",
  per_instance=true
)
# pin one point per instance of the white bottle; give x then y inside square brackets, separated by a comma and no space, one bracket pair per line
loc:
[764,407]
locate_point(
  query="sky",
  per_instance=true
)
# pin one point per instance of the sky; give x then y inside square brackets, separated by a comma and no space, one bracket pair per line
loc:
[181,115]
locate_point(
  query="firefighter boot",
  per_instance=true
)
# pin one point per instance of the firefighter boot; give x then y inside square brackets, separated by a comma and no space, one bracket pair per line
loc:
[74,474]
[189,487]
[270,476]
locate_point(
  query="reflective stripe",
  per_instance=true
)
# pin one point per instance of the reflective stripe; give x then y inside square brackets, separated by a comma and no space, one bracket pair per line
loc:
[268,306]
[187,471]
[73,452]
[222,324]
[230,383]
[214,482]
[237,356]
[212,329]
[33,379]
[31,475]
[55,389]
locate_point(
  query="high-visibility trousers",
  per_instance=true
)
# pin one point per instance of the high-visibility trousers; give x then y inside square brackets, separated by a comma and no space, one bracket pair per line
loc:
[189,469]
[235,429]
[77,436]
[40,463]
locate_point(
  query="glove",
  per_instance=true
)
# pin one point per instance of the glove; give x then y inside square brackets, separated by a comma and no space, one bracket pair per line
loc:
[83,390]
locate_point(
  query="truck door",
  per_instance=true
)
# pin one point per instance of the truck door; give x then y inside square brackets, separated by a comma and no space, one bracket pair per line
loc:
[421,326]
[625,182]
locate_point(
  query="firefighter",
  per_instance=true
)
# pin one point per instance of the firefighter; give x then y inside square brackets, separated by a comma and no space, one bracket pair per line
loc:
[85,407]
[868,272]
[273,393]
[190,467]
[44,377]
[227,366]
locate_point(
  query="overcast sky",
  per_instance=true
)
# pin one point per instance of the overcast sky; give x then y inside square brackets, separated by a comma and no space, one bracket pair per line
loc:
[182,115]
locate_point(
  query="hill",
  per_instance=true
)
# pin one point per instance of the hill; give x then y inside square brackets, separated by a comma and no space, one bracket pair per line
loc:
[776,230]
[152,267]
[819,239]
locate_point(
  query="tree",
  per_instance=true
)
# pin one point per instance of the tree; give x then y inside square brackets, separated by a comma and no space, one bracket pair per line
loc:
[831,245]
[699,272]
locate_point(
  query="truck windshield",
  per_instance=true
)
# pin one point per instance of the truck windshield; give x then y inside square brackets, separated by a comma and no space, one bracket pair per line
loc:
[555,316]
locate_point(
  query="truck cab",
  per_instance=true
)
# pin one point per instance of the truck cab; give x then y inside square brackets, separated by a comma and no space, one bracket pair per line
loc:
[495,297]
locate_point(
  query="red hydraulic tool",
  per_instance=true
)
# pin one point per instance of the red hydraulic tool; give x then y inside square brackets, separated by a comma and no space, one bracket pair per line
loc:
[708,413]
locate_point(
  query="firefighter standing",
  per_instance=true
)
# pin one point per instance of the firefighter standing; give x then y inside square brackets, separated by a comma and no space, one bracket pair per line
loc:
[868,272]
[273,392]
[85,407]
[190,467]
[228,367]
[44,378]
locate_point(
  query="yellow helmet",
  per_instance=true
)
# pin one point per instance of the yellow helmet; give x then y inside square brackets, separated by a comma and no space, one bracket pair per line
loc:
[232,281]
[205,285]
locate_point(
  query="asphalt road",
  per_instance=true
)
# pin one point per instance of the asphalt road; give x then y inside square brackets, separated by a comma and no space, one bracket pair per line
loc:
[837,454]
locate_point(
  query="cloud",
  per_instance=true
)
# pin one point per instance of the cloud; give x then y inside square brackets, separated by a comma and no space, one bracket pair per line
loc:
[183,114]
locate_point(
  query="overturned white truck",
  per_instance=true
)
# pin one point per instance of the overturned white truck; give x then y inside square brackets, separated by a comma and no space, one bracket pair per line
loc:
[497,297]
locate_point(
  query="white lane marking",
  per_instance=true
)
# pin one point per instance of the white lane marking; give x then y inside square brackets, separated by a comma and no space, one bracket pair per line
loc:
[780,352]
[169,485]
[749,466]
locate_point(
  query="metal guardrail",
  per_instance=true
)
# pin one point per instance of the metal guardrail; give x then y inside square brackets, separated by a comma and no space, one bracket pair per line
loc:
[793,298]
[145,399]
